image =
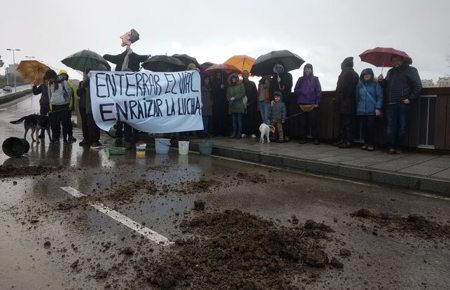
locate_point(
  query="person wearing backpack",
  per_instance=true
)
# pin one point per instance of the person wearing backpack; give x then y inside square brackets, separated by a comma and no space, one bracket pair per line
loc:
[308,92]
[369,102]
[64,76]
[58,93]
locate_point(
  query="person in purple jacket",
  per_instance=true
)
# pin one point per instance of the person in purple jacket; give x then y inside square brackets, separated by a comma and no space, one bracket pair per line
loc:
[308,93]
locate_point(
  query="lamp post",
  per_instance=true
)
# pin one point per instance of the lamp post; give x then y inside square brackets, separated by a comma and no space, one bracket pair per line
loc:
[14,64]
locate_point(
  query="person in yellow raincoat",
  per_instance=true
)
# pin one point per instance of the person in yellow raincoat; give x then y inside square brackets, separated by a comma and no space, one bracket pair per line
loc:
[63,75]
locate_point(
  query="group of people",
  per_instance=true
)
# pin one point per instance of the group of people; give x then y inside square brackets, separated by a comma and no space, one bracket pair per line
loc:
[234,106]
[237,108]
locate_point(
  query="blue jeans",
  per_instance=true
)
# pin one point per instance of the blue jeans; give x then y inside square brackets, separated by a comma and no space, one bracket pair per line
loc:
[397,123]
[237,124]
[205,124]
[264,110]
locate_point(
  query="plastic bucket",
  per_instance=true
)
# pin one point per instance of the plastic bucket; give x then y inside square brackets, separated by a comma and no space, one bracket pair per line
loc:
[15,147]
[162,145]
[183,147]
[205,147]
[140,150]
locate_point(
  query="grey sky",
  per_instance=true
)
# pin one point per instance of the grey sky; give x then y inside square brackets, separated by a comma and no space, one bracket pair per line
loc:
[323,32]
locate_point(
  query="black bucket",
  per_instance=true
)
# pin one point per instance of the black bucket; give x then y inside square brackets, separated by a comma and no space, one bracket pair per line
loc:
[15,147]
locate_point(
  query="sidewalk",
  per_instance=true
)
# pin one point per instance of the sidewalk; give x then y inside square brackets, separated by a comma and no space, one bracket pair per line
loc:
[413,170]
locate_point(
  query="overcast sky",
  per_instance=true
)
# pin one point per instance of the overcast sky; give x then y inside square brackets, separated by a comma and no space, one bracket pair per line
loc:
[323,32]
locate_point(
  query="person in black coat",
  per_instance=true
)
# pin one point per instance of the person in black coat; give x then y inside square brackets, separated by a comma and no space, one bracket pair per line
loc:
[402,86]
[221,120]
[346,101]
[44,102]
[252,118]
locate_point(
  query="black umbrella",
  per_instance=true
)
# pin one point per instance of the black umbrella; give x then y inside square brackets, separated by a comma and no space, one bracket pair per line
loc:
[265,63]
[186,59]
[86,60]
[205,66]
[163,63]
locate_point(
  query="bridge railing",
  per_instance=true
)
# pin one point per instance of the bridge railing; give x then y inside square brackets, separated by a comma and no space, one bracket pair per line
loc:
[429,120]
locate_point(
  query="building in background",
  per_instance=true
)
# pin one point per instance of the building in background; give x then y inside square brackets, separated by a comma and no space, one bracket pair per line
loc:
[428,83]
[443,82]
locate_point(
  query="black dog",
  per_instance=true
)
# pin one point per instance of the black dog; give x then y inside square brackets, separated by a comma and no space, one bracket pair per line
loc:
[37,124]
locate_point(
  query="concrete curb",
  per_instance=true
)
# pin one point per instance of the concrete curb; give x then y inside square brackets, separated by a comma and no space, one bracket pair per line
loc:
[414,182]
[14,96]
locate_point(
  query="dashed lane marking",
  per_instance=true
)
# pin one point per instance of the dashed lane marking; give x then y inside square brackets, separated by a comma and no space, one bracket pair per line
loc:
[126,221]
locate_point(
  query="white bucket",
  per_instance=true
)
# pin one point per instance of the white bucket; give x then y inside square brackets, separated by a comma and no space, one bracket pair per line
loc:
[162,145]
[183,147]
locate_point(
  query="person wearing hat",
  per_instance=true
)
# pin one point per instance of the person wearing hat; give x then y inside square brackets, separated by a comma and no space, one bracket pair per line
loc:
[236,106]
[68,138]
[277,115]
[346,101]
[308,92]
[127,61]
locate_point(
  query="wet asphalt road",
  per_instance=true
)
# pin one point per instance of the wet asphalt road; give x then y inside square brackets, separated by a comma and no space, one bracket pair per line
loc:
[28,217]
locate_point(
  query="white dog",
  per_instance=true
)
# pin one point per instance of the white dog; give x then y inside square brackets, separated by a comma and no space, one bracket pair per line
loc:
[265,131]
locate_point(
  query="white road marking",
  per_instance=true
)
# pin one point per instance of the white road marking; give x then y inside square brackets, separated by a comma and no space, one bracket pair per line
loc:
[146,232]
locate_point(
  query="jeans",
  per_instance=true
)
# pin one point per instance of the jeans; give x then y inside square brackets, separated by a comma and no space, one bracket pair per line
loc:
[264,110]
[368,129]
[397,123]
[237,124]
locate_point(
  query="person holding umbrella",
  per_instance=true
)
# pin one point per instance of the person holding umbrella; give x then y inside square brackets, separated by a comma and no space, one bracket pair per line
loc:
[402,85]
[345,101]
[91,133]
[207,103]
[236,107]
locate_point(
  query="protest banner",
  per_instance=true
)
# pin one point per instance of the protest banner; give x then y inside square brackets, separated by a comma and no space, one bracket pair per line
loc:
[153,102]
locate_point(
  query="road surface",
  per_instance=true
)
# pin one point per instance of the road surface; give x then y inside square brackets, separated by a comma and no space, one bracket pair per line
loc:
[98,220]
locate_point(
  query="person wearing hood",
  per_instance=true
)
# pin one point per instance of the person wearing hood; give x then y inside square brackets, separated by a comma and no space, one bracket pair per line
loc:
[68,138]
[369,103]
[58,93]
[251,118]
[308,92]
[236,106]
[345,101]
[402,86]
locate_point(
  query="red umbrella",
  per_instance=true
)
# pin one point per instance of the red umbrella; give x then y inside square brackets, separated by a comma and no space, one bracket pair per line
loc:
[382,56]
[222,68]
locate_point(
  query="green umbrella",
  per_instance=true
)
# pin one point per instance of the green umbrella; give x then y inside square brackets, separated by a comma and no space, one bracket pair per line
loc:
[85,61]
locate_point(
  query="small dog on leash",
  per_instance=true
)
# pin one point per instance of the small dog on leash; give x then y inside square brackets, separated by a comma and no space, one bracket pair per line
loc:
[265,132]
[37,124]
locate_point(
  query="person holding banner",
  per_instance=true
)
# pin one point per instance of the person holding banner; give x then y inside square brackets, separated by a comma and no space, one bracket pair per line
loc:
[236,106]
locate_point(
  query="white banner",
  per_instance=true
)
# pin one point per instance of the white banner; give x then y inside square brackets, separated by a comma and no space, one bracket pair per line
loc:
[148,101]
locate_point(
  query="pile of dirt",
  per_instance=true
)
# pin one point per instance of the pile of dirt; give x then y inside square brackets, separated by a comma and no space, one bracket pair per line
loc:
[254,178]
[232,250]
[11,171]
[416,225]
[192,187]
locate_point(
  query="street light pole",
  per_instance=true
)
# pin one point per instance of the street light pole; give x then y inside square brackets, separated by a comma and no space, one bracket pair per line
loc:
[14,64]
